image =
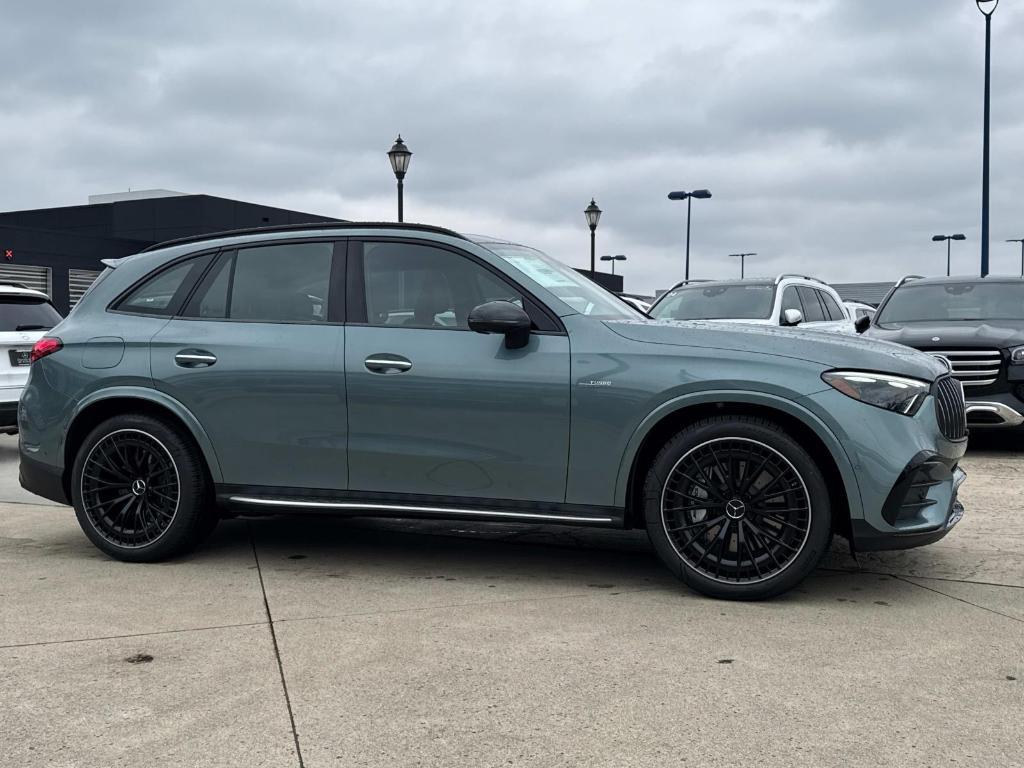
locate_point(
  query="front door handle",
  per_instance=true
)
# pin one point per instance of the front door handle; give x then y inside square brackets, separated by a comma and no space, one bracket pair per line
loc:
[194,358]
[387,364]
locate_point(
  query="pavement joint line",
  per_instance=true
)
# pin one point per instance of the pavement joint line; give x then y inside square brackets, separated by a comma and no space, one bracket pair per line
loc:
[132,635]
[929,578]
[959,599]
[277,650]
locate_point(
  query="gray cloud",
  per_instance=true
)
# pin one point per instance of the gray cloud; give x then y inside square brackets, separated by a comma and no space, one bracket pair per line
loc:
[837,136]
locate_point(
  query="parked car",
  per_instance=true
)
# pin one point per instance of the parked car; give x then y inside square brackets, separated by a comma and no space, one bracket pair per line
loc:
[788,300]
[976,325]
[277,378]
[25,316]
[858,309]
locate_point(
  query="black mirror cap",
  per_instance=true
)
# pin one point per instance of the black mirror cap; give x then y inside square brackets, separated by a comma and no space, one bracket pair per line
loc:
[861,324]
[502,317]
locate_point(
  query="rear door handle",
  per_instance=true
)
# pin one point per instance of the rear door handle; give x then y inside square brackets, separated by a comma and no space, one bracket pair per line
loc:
[385,363]
[194,358]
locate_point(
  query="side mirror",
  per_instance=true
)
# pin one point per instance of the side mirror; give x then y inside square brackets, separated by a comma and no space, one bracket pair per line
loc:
[502,317]
[792,317]
[861,324]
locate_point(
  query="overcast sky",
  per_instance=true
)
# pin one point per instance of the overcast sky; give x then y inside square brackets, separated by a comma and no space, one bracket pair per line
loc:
[837,136]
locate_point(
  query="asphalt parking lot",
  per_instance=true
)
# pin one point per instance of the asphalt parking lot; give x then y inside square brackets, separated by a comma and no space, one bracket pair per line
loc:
[393,643]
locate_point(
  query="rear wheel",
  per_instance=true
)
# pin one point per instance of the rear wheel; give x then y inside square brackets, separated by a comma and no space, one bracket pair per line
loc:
[737,509]
[139,489]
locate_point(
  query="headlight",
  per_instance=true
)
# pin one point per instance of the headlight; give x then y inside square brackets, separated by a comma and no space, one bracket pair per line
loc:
[893,393]
[1017,356]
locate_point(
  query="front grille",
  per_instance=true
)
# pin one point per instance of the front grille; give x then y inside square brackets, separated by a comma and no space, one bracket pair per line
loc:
[974,367]
[950,410]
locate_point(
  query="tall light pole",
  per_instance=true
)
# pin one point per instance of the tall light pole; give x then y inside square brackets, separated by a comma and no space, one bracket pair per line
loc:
[399,155]
[593,214]
[700,194]
[987,7]
[613,259]
[947,238]
[1021,241]
[743,259]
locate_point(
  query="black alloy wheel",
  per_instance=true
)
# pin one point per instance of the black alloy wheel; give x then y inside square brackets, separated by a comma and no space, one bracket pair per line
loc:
[140,489]
[737,508]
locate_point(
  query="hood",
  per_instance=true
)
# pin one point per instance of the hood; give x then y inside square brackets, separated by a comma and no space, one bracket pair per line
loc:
[831,350]
[948,334]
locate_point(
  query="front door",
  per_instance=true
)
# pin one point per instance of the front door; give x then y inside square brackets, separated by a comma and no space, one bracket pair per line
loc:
[439,410]
[257,357]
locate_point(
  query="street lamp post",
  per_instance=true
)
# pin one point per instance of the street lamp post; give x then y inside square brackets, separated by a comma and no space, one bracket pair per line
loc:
[700,194]
[1021,241]
[399,155]
[613,259]
[987,7]
[593,214]
[947,238]
[743,259]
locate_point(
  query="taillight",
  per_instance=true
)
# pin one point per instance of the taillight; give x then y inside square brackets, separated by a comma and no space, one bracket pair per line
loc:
[45,346]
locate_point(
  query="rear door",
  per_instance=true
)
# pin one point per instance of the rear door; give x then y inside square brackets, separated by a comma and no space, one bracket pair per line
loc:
[257,356]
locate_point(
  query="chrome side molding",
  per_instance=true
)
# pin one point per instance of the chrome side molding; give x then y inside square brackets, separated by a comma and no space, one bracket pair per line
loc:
[413,509]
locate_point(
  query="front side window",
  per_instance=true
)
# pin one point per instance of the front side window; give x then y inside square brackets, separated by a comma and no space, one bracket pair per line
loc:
[717,301]
[790,300]
[933,302]
[287,283]
[160,294]
[419,286]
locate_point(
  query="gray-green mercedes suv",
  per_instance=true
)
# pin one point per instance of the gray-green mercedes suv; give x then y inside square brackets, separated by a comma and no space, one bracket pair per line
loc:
[410,371]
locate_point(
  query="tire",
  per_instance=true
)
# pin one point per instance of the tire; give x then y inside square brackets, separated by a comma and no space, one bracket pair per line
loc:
[737,509]
[140,489]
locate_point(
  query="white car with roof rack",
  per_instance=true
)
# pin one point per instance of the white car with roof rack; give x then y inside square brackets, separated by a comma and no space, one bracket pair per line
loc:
[786,300]
[25,317]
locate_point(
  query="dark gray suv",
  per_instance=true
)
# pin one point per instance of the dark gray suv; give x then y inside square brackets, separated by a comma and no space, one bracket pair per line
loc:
[412,371]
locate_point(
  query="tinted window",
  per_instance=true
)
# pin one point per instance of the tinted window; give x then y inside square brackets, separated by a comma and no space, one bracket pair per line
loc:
[736,301]
[273,284]
[790,300]
[418,286]
[19,313]
[157,295]
[955,301]
[812,307]
[834,311]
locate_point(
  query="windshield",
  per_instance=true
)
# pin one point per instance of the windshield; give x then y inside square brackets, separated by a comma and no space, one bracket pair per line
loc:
[954,301]
[18,313]
[579,292]
[736,301]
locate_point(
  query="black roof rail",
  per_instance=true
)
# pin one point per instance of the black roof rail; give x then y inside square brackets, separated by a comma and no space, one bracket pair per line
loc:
[784,275]
[342,225]
[907,278]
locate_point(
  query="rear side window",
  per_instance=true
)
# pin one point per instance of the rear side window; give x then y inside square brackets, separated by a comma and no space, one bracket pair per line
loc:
[831,307]
[163,293]
[813,313]
[272,284]
[27,313]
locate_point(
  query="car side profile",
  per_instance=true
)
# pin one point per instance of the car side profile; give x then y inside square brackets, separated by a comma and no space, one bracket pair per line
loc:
[410,371]
[787,300]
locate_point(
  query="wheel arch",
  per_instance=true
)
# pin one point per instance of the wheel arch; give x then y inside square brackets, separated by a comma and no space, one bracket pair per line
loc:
[799,422]
[111,402]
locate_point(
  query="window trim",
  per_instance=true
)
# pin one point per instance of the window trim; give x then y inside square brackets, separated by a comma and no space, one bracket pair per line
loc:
[356,288]
[335,283]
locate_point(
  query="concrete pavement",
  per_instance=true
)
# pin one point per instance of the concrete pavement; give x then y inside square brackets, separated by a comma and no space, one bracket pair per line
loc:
[397,643]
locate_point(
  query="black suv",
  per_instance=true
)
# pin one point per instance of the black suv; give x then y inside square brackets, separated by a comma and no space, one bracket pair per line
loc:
[977,325]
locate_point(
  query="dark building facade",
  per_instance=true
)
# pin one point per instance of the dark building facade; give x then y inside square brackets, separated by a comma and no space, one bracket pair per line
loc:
[58,250]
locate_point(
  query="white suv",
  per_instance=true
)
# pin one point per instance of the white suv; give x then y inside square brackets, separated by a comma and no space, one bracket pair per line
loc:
[25,317]
[787,300]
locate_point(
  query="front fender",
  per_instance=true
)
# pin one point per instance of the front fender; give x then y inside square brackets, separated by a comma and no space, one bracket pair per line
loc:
[165,401]
[744,397]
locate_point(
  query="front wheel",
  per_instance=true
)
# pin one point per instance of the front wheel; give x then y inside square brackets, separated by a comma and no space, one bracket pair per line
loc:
[139,489]
[737,509]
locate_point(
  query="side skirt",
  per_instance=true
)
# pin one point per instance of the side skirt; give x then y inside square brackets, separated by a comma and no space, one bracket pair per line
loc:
[261,500]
